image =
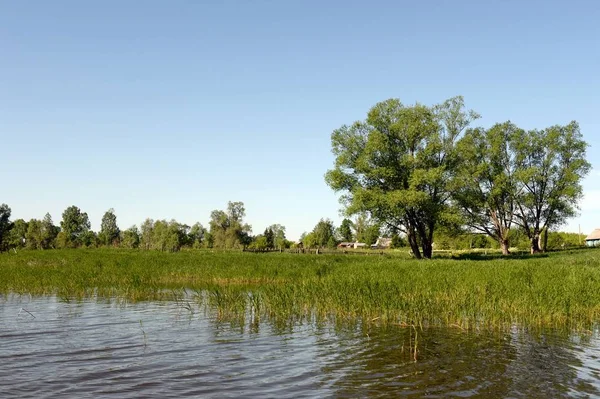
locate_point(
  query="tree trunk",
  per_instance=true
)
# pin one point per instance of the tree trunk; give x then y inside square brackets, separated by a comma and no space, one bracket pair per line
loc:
[505,245]
[414,246]
[535,243]
[427,249]
[544,244]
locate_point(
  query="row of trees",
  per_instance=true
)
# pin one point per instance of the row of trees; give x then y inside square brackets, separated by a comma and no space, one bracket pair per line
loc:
[226,230]
[416,168]
[230,232]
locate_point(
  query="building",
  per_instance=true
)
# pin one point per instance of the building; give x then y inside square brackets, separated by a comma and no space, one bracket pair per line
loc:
[382,243]
[346,245]
[593,240]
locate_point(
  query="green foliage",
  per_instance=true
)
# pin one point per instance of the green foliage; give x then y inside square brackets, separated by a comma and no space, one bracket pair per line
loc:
[196,236]
[260,242]
[279,239]
[269,237]
[322,233]
[130,238]
[227,228]
[34,238]
[75,226]
[397,241]
[109,231]
[551,165]
[345,230]
[370,234]
[5,226]
[49,232]
[17,236]
[397,163]
[484,186]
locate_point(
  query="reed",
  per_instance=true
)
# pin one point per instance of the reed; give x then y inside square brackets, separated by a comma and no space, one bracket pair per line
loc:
[555,290]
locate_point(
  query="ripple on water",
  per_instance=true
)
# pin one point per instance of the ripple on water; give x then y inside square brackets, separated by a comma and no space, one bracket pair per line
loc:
[105,349]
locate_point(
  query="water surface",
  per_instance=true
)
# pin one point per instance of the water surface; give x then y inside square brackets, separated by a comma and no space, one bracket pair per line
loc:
[110,349]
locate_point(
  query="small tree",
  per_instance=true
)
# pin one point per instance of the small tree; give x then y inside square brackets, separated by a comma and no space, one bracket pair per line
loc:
[345,230]
[5,226]
[109,231]
[131,238]
[269,237]
[75,225]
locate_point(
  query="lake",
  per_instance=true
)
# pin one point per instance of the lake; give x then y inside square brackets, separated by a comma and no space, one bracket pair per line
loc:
[51,347]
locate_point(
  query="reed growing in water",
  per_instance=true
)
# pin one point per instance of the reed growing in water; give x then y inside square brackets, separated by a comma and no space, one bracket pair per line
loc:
[556,290]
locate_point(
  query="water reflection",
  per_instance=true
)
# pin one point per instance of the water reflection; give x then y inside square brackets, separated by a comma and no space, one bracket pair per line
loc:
[51,348]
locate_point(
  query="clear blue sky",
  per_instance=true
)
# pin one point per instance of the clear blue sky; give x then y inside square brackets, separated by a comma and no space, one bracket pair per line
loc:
[169,109]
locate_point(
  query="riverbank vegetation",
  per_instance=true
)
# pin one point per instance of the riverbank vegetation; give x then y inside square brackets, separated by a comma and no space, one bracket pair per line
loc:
[560,289]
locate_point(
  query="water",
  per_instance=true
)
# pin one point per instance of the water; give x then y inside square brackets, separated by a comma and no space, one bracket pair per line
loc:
[50,348]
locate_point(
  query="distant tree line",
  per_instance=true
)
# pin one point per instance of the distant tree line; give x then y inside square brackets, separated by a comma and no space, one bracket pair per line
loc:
[227,230]
[417,170]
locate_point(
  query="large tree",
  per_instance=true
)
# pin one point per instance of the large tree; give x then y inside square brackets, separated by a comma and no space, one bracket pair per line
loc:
[552,163]
[75,226]
[397,163]
[484,185]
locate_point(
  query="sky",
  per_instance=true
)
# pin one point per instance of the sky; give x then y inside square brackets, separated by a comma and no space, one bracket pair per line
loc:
[170,109]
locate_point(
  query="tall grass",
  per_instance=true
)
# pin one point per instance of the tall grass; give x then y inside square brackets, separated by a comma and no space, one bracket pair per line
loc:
[558,290]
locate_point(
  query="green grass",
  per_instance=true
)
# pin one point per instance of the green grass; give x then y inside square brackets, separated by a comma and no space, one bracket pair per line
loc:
[555,290]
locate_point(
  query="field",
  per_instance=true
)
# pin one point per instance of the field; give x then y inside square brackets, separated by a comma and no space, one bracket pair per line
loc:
[559,290]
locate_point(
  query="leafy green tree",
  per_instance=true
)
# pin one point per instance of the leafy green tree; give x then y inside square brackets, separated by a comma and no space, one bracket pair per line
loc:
[75,225]
[270,237]
[109,230]
[484,186]
[397,163]
[130,238]
[146,234]
[34,238]
[167,236]
[49,232]
[323,232]
[279,239]
[551,165]
[260,242]
[89,239]
[197,235]
[371,234]
[309,240]
[345,230]
[5,226]
[331,242]
[17,236]
[228,229]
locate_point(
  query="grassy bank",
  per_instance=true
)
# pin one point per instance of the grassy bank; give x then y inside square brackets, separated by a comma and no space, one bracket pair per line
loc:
[555,290]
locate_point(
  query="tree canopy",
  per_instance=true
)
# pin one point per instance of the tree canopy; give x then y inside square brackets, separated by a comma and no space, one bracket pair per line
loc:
[396,165]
